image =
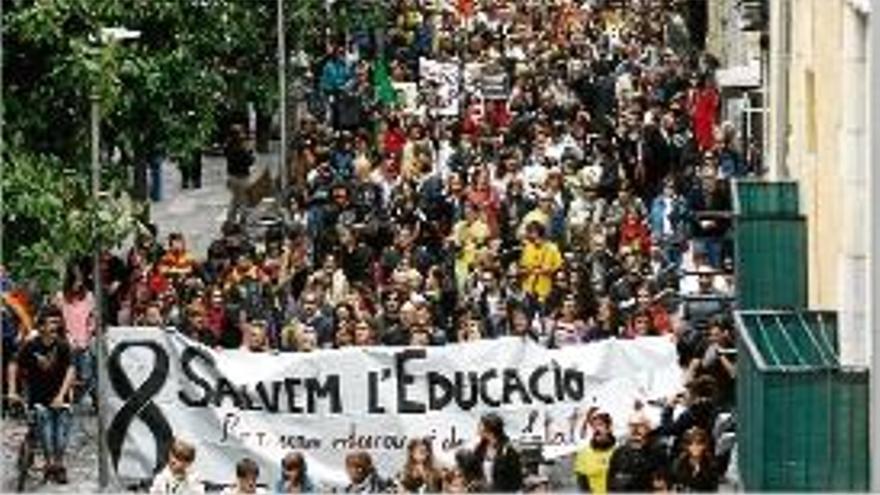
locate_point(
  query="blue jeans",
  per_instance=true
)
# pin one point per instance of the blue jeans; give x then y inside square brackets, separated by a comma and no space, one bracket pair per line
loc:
[712,248]
[53,427]
[84,364]
[671,251]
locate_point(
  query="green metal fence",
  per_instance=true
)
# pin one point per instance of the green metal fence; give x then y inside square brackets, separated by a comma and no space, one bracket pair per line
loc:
[770,246]
[802,418]
[755,197]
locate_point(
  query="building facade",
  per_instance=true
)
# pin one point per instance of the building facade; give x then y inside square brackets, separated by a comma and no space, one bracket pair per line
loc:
[819,89]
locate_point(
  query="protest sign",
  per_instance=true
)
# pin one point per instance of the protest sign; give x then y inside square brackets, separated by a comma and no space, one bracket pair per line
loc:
[408,97]
[324,404]
[440,83]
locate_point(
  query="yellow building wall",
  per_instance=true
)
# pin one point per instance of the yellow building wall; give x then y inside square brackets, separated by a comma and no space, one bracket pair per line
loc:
[814,158]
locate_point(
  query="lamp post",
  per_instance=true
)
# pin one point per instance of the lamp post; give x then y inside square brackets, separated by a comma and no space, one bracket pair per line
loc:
[107,36]
[282,98]
[874,239]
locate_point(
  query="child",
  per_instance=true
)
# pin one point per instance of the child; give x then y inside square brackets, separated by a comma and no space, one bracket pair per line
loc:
[176,477]
[246,474]
[294,475]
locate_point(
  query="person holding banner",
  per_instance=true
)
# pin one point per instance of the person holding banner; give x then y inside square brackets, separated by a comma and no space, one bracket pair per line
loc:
[294,475]
[591,464]
[467,476]
[419,474]
[632,464]
[177,477]
[362,474]
[501,463]
[247,472]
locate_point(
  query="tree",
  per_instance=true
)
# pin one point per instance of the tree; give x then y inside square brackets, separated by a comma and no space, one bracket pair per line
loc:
[170,92]
[161,93]
[50,217]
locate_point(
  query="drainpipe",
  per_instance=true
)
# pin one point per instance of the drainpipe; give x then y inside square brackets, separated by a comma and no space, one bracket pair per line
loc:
[780,60]
[874,256]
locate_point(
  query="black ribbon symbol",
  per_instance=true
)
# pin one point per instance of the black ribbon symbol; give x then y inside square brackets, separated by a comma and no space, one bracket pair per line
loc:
[138,402]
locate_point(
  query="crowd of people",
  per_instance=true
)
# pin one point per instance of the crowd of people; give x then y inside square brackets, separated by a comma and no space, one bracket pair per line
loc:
[493,465]
[582,198]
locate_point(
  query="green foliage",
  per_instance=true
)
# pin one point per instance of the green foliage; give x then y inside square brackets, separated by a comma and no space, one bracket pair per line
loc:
[162,92]
[50,217]
[195,63]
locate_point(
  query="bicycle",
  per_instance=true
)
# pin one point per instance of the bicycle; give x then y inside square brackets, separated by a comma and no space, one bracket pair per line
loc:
[26,452]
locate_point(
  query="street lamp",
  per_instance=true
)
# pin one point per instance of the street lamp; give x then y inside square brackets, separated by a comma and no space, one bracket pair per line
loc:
[107,36]
[282,98]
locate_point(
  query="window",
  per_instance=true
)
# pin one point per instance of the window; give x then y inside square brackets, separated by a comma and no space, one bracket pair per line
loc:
[810,121]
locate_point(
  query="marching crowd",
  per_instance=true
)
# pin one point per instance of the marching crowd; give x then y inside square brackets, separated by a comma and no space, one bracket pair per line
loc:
[582,198]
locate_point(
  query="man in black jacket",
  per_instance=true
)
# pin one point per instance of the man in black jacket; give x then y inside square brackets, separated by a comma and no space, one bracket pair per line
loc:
[239,159]
[633,463]
[503,469]
[45,361]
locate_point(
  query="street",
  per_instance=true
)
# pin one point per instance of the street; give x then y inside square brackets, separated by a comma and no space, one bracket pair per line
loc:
[470,246]
[82,458]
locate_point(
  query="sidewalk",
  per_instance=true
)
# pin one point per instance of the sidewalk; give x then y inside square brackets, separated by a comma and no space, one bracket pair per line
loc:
[198,213]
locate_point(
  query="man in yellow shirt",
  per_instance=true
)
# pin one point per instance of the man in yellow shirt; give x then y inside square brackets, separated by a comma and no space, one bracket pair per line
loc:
[591,463]
[470,236]
[539,262]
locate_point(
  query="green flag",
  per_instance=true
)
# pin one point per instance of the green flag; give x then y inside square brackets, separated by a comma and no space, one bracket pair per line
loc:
[382,83]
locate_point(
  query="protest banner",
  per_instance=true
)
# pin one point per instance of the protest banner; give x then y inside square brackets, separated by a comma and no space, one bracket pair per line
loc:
[440,83]
[408,98]
[494,86]
[473,71]
[486,81]
[324,404]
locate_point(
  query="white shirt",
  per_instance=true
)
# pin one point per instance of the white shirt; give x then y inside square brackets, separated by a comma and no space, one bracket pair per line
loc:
[165,483]
[667,209]
[444,152]
[233,490]
[534,177]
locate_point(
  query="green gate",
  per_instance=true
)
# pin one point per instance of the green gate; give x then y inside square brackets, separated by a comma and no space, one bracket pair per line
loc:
[770,244]
[802,418]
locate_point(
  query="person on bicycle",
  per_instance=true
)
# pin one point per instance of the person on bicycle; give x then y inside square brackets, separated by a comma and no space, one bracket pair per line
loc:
[44,363]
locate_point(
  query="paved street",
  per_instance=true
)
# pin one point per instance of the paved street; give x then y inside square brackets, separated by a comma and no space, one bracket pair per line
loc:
[82,460]
[198,213]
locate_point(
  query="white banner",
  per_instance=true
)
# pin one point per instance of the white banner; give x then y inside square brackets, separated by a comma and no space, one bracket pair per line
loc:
[232,404]
[486,81]
[408,98]
[441,85]
[473,73]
